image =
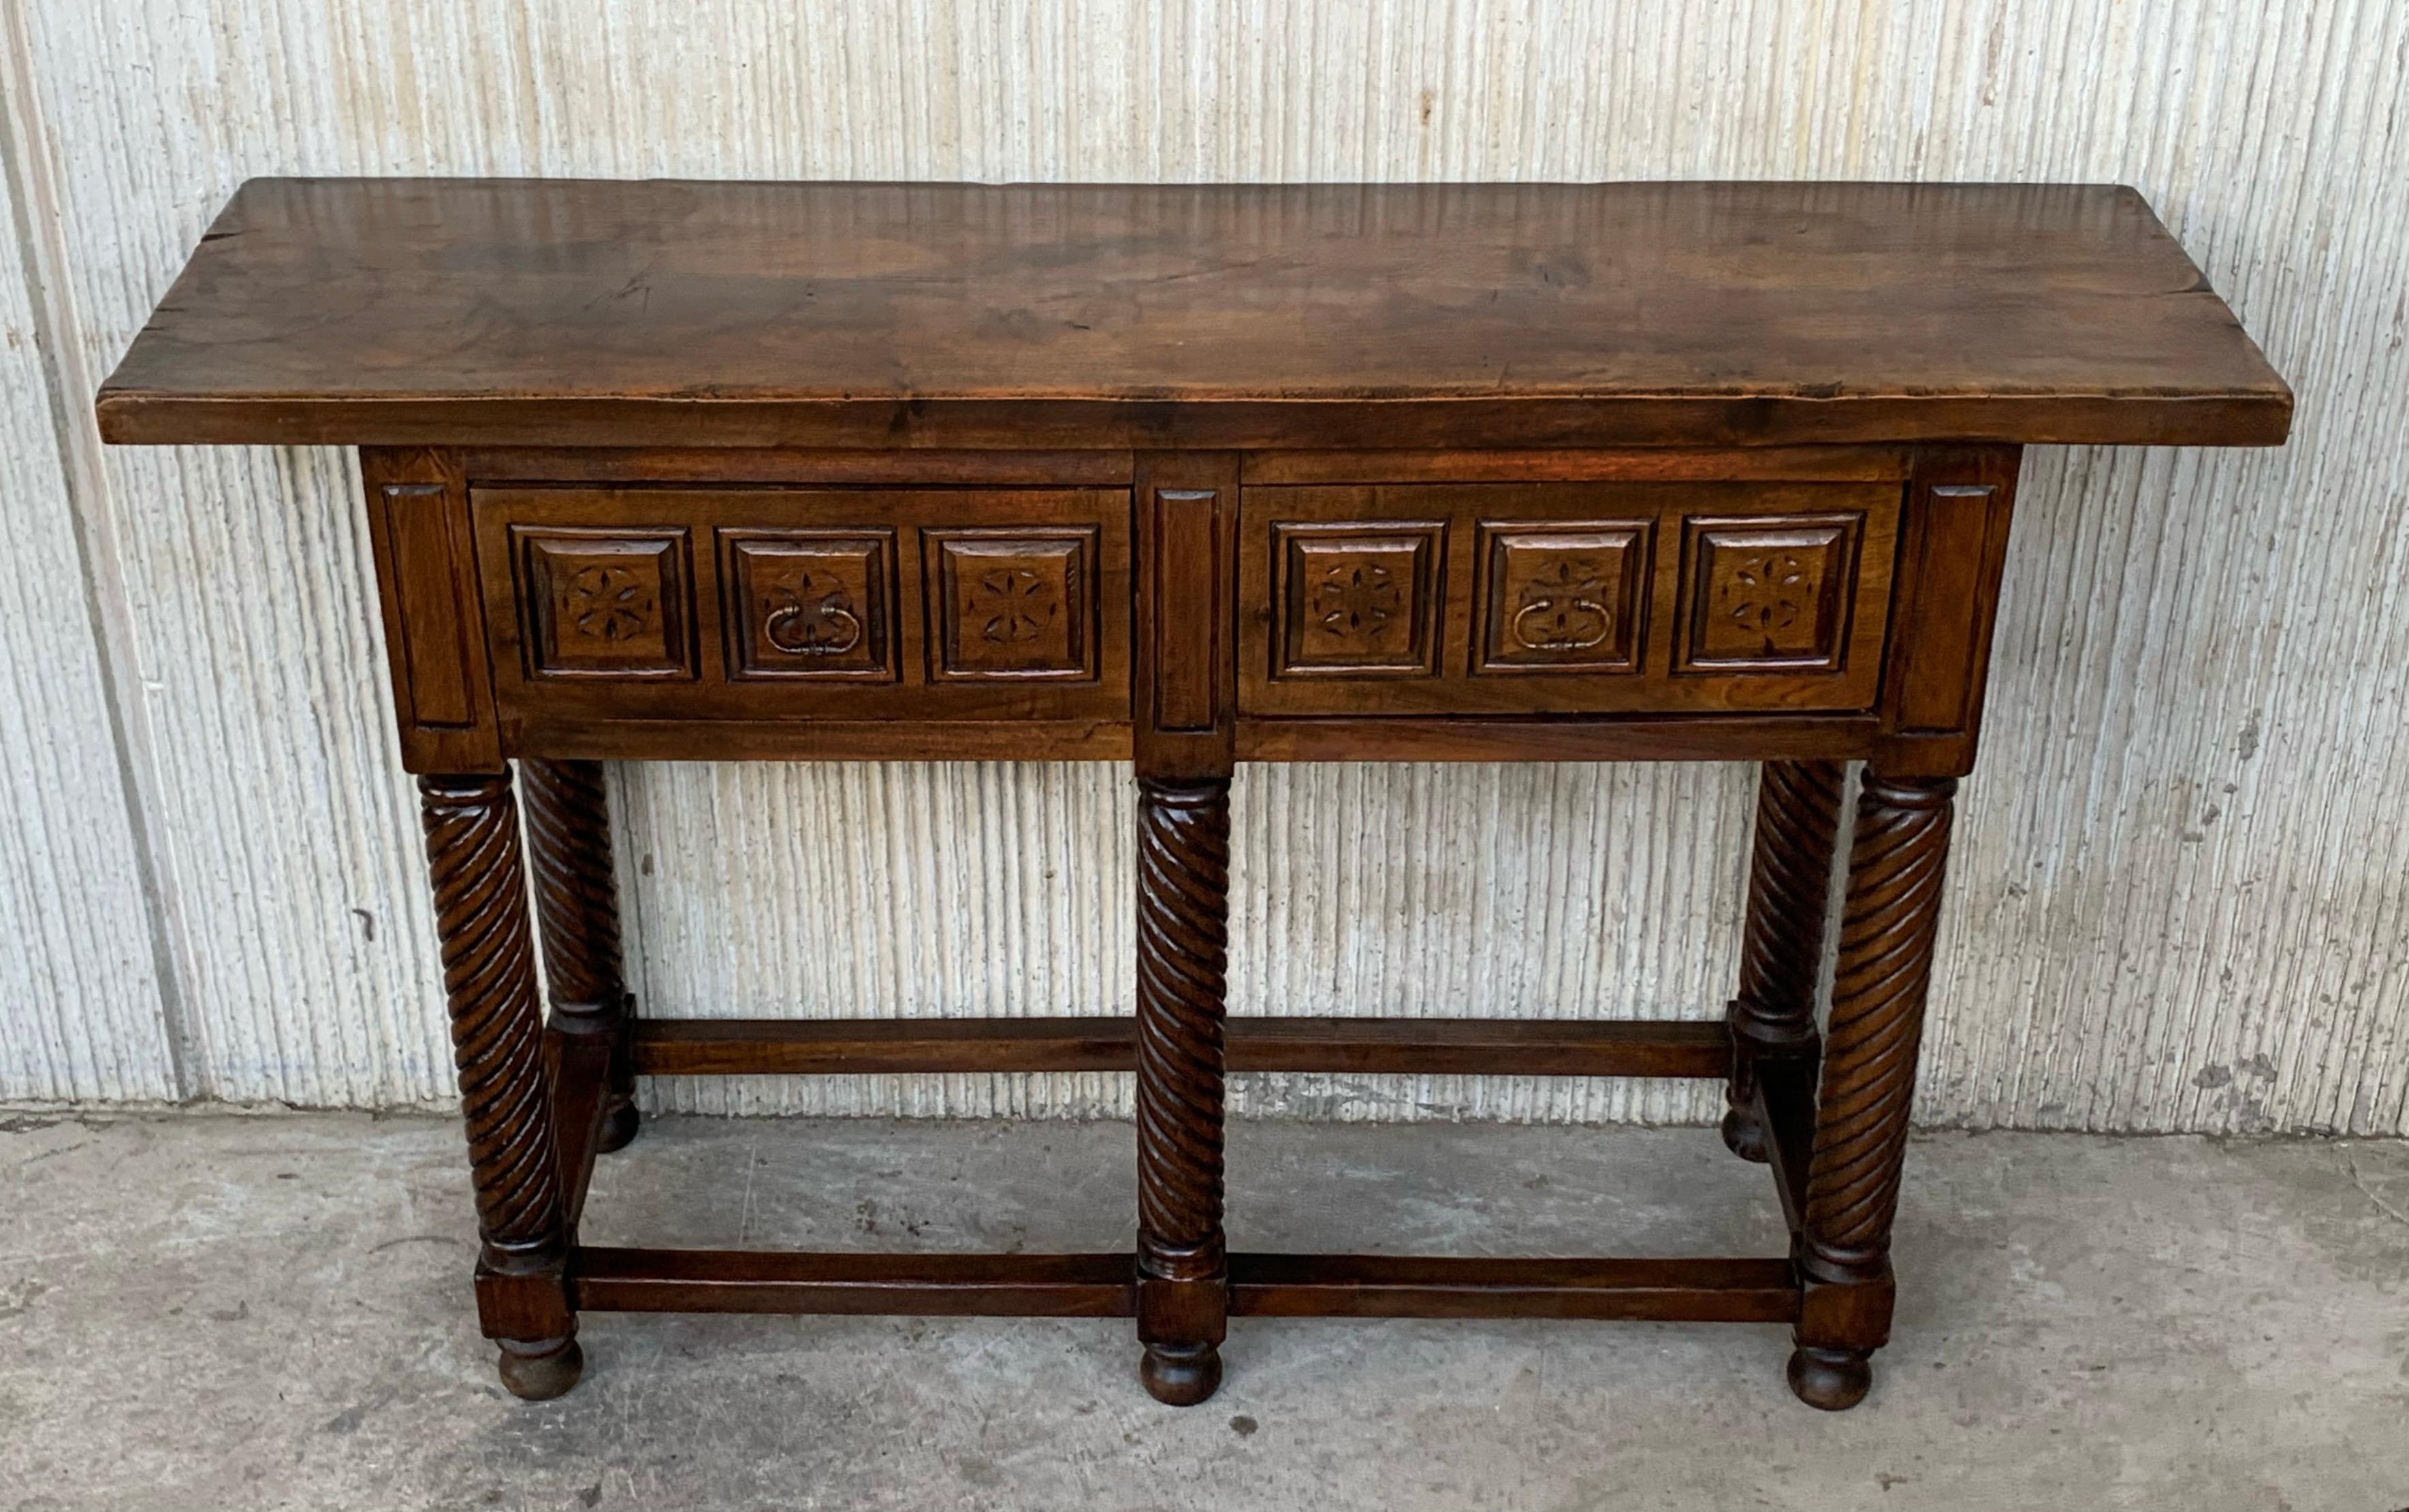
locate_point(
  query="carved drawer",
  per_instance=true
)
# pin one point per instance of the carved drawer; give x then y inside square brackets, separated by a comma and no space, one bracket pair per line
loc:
[765,603]
[1588,598]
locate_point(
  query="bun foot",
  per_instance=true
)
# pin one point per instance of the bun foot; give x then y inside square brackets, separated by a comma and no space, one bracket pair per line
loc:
[1832,1379]
[1741,1131]
[1180,1374]
[538,1370]
[619,1125]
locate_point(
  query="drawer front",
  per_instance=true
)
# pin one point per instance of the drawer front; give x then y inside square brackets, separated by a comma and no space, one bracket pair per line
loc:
[1610,597]
[769,603]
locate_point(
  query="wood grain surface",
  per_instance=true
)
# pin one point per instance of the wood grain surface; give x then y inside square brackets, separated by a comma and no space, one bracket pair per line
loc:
[538,313]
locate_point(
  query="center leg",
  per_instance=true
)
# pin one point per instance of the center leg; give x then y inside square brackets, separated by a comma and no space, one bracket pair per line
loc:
[1183,932]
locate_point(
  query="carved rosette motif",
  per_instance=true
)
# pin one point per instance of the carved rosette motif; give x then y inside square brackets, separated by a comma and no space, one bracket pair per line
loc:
[1012,605]
[1770,591]
[597,602]
[489,978]
[1891,917]
[1789,887]
[611,603]
[1355,601]
[1182,959]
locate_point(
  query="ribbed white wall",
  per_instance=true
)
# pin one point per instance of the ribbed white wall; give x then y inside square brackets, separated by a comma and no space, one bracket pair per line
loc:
[2179,889]
[79,998]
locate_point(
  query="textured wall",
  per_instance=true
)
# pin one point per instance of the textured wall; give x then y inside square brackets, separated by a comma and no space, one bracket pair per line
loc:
[2179,890]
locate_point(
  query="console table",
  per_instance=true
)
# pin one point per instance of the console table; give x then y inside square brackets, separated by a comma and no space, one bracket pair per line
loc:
[1190,475]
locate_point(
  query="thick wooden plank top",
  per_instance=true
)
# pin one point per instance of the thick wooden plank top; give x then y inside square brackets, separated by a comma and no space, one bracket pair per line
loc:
[406,311]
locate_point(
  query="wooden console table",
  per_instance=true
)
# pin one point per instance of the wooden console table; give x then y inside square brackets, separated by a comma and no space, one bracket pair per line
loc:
[1190,477]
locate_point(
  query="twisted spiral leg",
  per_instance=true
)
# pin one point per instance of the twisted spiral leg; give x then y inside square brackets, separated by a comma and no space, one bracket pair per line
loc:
[1789,884]
[1183,854]
[481,918]
[1892,916]
[577,913]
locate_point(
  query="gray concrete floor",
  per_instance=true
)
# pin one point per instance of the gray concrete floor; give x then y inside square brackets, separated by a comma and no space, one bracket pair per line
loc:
[272,1311]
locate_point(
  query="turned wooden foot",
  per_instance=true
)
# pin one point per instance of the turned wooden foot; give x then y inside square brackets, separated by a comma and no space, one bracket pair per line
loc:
[1832,1379]
[1180,1374]
[620,1121]
[1744,1133]
[541,1369]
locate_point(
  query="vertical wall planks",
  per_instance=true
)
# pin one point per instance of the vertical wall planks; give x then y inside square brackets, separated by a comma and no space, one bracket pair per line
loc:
[2184,912]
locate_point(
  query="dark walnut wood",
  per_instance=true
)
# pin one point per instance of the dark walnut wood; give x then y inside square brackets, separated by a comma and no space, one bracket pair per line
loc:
[1184,477]
[577,916]
[481,918]
[1782,945]
[1360,1046]
[1183,927]
[1483,315]
[1889,920]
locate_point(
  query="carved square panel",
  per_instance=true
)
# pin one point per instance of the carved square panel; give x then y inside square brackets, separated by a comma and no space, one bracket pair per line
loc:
[816,604]
[605,602]
[1354,600]
[1561,596]
[1771,593]
[1011,604]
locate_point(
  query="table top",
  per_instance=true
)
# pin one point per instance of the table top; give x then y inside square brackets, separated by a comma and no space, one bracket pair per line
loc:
[573,312]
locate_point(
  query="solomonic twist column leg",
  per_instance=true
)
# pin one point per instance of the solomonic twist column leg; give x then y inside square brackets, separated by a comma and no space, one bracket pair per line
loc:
[1895,862]
[481,916]
[577,911]
[1789,887]
[1183,911]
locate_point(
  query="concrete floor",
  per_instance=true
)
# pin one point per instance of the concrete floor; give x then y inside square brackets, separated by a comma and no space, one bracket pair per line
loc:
[272,1311]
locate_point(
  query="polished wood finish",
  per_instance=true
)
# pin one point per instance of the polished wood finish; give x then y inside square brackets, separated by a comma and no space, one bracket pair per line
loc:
[577,917]
[1415,1286]
[607,605]
[1658,464]
[1890,918]
[1953,551]
[1782,943]
[1538,599]
[490,980]
[1186,477]
[419,535]
[1098,1285]
[1632,738]
[1183,928]
[1269,316]
[608,1279]
[1361,1046]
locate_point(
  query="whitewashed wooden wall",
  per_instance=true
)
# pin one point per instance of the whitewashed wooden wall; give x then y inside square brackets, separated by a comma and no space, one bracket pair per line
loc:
[2179,890]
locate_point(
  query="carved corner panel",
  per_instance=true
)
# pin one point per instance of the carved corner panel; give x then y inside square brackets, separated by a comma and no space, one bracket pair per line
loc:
[1357,600]
[1767,593]
[1011,604]
[425,548]
[609,602]
[1560,597]
[809,604]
